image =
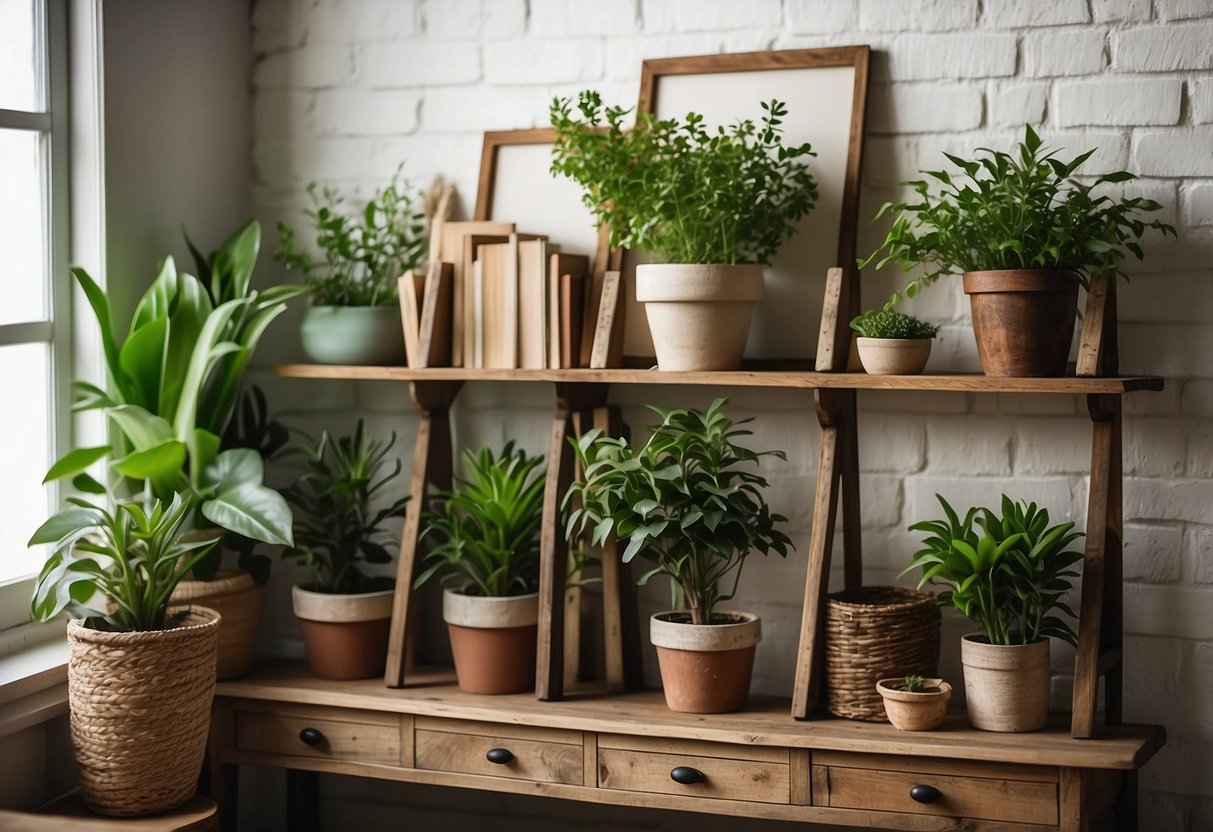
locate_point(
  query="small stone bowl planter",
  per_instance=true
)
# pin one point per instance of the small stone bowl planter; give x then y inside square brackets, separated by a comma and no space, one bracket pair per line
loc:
[922,710]
[893,356]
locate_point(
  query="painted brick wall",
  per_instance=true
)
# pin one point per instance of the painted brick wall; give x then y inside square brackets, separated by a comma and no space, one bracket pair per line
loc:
[344,90]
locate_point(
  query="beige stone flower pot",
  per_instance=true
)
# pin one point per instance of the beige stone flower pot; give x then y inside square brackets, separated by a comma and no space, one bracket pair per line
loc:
[705,668]
[1006,686]
[922,710]
[893,356]
[345,636]
[492,641]
[699,315]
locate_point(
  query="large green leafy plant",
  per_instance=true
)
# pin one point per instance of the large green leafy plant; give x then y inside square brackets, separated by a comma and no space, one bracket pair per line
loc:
[361,253]
[679,191]
[1026,210]
[687,500]
[1007,574]
[485,533]
[336,528]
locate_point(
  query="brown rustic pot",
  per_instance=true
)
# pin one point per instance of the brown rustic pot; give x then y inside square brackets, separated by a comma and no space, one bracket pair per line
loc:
[492,641]
[705,668]
[1006,686]
[1023,320]
[922,710]
[237,598]
[345,636]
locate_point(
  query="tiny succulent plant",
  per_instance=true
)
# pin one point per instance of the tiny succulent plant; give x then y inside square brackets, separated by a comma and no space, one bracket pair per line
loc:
[913,683]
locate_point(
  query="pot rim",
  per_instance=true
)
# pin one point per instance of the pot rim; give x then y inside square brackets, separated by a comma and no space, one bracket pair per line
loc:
[341,608]
[888,692]
[1056,280]
[335,309]
[484,612]
[707,638]
[699,283]
[867,340]
[77,631]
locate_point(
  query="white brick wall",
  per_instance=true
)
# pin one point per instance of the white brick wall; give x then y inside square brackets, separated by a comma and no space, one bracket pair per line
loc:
[346,89]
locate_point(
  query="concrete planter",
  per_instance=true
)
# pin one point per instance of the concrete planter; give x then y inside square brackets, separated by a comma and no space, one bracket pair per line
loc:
[493,641]
[345,635]
[370,335]
[1006,686]
[893,356]
[922,710]
[705,668]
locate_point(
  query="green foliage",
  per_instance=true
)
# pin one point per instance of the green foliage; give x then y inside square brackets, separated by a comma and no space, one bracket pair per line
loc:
[913,684]
[131,559]
[888,323]
[486,531]
[361,253]
[1015,211]
[336,529]
[679,191]
[684,501]
[1007,574]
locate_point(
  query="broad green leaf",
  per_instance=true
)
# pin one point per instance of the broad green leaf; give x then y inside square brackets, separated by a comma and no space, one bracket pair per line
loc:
[143,429]
[75,461]
[254,511]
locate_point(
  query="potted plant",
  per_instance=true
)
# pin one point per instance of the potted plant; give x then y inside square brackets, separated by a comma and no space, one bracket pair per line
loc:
[1026,233]
[688,501]
[710,207]
[1008,574]
[141,675]
[354,317]
[913,703]
[485,545]
[345,614]
[892,343]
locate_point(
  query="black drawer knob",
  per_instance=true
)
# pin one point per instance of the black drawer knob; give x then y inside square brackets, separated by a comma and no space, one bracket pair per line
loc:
[311,736]
[500,756]
[687,776]
[925,794]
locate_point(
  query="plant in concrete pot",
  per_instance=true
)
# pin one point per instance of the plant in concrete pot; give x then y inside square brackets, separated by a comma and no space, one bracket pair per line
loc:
[689,501]
[914,703]
[1008,574]
[892,342]
[345,614]
[1026,232]
[484,545]
[354,317]
[141,675]
[710,207]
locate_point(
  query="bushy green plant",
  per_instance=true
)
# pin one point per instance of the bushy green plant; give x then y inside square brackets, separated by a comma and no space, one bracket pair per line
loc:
[679,191]
[362,253]
[336,530]
[485,533]
[686,500]
[1025,210]
[1006,573]
[887,323]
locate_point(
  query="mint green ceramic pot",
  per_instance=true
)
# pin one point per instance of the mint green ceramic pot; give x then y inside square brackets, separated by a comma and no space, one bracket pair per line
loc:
[353,335]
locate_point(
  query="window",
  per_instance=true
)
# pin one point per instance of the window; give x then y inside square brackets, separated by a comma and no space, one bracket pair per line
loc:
[35,354]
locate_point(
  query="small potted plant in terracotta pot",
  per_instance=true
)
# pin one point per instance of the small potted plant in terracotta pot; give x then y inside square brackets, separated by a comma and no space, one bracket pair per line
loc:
[1026,233]
[345,614]
[709,207]
[690,501]
[913,703]
[1008,574]
[484,543]
[892,343]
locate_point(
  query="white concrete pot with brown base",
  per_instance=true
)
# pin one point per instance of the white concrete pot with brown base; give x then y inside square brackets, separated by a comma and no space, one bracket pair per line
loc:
[1006,686]
[893,356]
[492,640]
[345,636]
[917,710]
[705,668]
[699,315]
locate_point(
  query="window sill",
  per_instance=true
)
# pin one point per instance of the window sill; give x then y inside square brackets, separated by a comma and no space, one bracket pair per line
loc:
[33,676]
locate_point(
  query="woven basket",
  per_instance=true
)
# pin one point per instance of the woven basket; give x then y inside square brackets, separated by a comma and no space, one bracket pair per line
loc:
[237,598]
[140,709]
[873,633]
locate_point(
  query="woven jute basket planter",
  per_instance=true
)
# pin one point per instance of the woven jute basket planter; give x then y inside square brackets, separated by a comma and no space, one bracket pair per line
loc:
[873,633]
[237,598]
[140,708]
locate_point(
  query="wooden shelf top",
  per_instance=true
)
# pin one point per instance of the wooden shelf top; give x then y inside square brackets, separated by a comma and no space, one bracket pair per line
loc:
[798,379]
[432,692]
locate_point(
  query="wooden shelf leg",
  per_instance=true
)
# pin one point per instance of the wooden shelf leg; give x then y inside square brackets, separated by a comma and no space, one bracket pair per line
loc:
[848,453]
[432,465]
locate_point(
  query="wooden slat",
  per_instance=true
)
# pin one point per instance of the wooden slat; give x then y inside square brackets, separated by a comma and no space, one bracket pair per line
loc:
[1071,800]
[798,770]
[1090,345]
[831,358]
[848,470]
[590,759]
[958,768]
[562,736]
[553,563]
[694,748]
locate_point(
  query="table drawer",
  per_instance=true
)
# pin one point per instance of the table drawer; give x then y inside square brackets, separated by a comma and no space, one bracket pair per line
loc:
[321,733]
[978,791]
[726,772]
[542,755]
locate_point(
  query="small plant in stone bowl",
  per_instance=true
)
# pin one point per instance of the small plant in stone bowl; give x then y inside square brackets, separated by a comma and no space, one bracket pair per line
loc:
[915,703]
[892,342]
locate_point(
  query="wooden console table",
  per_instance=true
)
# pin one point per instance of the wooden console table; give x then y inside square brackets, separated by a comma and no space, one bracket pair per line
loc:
[629,749]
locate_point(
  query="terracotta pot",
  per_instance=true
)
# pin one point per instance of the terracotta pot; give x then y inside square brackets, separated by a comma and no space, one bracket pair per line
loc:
[705,668]
[921,710]
[237,598]
[345,636]
[1006,686]
[1023,320]
[492,641]
[353,335]
[893,356]
[699,316]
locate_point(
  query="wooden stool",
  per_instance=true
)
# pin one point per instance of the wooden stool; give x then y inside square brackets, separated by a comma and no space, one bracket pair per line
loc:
[196,815]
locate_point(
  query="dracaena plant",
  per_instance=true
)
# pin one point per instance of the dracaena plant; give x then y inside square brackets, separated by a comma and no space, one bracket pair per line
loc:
[1021,210]
[1008,574]
[129,558]
[337,530]
[680,191]
[484,534]
[689,500]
